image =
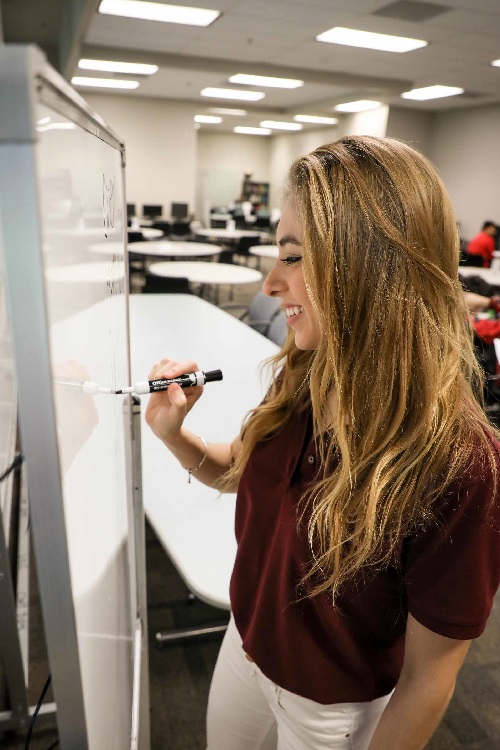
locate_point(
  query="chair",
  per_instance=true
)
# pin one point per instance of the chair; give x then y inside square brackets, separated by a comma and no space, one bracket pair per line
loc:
[278,330]
[165,284]
[163,226]
[180,230]
[259,314]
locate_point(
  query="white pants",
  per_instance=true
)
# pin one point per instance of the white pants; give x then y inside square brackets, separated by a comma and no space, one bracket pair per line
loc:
[246,711]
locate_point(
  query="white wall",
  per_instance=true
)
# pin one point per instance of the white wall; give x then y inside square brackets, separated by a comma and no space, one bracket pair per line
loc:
[412,126]
[465,147]
[223,159]
[286,148]
[161,144]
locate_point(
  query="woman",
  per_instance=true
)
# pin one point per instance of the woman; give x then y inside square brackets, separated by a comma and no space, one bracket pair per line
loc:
[367,514]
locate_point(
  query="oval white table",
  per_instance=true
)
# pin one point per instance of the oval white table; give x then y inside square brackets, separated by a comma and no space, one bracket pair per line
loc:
[160,248]
[488,274]
[199,272]
[264,251]
[167,248]
[148,233]
[230,235]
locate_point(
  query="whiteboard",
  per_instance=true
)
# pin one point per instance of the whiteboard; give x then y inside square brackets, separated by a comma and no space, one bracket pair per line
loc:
[61,190]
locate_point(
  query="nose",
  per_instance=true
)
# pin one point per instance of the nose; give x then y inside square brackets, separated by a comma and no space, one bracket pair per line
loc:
[274,283]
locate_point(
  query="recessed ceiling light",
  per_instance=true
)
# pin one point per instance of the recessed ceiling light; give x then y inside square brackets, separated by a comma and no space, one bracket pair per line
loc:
[276,125]
[495,63]
[370,40]
[111,66]
[277,83]
[362,105]
[104,83]
[230,112]
[208,119]
[314,119]
[432,92]
[159,12]
[250,96]
[252,131]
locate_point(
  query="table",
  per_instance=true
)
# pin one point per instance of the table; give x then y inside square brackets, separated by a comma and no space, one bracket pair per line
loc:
[161,248]
[194,523]
[166,248]
[207,273]
[488,274]
[265,251]
[148,233]
[230,235]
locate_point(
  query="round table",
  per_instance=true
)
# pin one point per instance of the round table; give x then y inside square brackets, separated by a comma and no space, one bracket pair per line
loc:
[167,248]
[265,251]
[227,234]
[161,248]
[148,233]
[203,273]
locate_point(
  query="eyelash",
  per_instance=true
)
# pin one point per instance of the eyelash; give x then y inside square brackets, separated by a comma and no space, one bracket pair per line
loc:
[291,260]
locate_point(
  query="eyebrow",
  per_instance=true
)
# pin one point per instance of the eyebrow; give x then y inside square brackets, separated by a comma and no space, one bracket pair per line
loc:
[289,239]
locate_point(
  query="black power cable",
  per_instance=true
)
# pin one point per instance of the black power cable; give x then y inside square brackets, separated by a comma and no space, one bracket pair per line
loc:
[35,713]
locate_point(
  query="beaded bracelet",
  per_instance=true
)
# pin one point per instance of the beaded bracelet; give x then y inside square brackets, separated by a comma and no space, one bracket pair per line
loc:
[191,471]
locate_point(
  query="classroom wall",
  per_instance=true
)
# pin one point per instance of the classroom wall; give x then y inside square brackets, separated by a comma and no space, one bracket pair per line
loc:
[465,147]
[412,126]
[287,147]
[222,160]
[161,147]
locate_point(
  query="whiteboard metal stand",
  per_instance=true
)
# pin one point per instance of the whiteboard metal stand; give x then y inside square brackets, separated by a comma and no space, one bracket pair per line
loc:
[25,79]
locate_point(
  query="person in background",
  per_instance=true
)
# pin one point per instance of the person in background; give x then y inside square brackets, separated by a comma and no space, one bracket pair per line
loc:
[482,246]
[367,510]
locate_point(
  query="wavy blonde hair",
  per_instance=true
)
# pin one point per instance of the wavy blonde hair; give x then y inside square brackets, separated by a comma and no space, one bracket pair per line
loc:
[380,259]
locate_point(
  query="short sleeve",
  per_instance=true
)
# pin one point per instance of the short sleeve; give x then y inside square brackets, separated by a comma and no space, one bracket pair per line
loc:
[452,569]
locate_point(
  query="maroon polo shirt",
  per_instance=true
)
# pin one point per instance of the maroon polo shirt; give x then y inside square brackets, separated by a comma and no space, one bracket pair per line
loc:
[446,577]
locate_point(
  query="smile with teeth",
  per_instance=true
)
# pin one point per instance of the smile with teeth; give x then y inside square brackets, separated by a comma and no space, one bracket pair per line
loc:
[291,311]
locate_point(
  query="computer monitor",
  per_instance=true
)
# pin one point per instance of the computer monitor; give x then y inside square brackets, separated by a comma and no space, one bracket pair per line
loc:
[152,211]
[179,210]
[130,210]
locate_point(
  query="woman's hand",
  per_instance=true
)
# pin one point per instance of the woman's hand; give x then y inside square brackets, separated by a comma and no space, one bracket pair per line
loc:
[167,410]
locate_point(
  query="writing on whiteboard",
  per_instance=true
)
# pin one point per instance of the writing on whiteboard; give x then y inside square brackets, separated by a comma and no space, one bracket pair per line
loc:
[108,204]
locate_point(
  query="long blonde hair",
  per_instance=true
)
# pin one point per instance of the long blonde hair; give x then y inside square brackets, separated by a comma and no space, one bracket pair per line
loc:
[380,258]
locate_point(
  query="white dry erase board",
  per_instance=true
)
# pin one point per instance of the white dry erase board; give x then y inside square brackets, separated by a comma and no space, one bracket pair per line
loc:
[61,190]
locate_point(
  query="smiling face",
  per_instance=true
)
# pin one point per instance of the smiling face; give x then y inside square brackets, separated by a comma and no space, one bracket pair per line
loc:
[286,280]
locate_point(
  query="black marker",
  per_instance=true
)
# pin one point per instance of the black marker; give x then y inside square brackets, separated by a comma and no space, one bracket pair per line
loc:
[185,381]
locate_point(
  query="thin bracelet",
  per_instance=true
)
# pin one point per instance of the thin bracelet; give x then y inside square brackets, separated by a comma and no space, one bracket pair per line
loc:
[192,471]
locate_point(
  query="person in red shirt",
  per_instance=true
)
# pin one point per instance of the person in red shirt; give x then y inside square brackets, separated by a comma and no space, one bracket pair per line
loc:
[367,510]
[483,244]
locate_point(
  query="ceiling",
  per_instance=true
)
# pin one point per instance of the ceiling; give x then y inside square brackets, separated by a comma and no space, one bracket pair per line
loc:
[277,37]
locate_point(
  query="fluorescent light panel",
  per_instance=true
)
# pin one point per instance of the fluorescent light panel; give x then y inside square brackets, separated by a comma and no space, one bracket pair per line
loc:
[249,96]
[276,83]
[315,119]
[370,40]
[159,12]
[230,112]
[104,83]
[208,119]
[495,63]
[362,105]
[276,125]
[111,66]
[432,92]
[252,131]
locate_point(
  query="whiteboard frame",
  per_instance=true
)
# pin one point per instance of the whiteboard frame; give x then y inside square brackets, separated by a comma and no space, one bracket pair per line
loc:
[26,79]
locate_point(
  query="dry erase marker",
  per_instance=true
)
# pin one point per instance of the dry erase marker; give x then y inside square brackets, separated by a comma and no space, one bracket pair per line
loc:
[185,381]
